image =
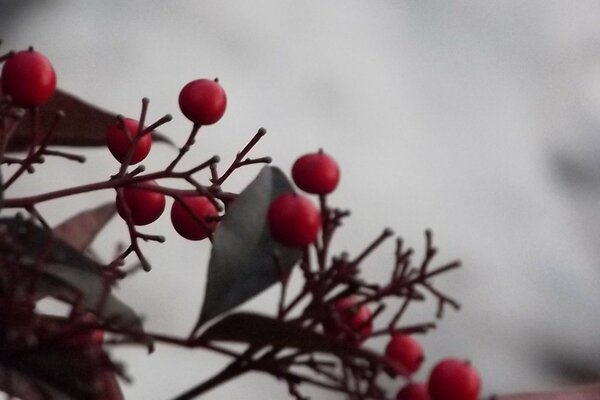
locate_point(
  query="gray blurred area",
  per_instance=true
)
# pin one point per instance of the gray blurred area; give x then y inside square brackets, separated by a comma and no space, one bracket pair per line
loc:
[480,120]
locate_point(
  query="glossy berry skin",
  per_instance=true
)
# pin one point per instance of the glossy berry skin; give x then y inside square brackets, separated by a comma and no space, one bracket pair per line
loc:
[184,222]
[316,173]
[118,141]
[294,220]
[28,78]
[413,391]
[454,379]
[405,351]
[144,205]
[351,318]
[203,101]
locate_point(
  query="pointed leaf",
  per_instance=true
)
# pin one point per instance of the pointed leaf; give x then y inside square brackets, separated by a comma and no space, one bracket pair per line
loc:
[242,263]
[81,229]
[63,272]
[261,331]
[84,125]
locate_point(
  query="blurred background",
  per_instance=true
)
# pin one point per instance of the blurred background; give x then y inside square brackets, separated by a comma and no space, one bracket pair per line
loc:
[480,120]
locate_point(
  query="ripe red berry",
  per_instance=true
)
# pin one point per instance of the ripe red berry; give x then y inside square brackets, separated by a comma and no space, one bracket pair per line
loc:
[203,101]
[413,391]
[144,205]
[349,317]
[74,334]
[316,173]
[29,78]
[184,222]
[94,337]
[453,379]
[406,351]
[118,141]
[294,220]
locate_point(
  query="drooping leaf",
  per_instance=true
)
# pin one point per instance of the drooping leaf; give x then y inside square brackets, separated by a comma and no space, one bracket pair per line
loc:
[261,330]
[242,260]
[61,271]
[84,125]
[81,229]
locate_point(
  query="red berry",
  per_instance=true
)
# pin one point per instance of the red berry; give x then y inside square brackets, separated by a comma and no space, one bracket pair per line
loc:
[294,220]
[144,205]
[94,337]
[316,173]
[453,379]
[203,101]
[406,351]
[118,141]
[184,222]
[349,317]
[413,391]
[29,78]
[74,334]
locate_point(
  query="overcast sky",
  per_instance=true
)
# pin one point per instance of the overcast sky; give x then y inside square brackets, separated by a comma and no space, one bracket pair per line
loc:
[479,120]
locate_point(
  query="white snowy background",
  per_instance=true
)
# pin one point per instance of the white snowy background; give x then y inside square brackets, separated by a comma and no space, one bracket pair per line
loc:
[480,120]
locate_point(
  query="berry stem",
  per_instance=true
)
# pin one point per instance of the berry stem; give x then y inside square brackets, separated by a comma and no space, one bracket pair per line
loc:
[384,235]
[34,154]
[186,147]
[239,158]
[6,56]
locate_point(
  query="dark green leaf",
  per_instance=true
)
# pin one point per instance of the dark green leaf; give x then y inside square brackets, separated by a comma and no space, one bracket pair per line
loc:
[84,125]
[242,262]
[260,330]
[62,271]
[80,230]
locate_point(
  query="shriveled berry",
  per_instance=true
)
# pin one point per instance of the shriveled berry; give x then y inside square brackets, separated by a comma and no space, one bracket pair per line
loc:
[144,205]
[454,379]
[316,173]
[28,78]
[413,391]
[350,322]
[203,101]
[294,220]
[118,141]
[406,351]
[184,222]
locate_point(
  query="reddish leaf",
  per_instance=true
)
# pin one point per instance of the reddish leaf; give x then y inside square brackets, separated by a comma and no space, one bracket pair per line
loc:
[591,392]
[262,331]
[84,125]
[61,271]
[80,230]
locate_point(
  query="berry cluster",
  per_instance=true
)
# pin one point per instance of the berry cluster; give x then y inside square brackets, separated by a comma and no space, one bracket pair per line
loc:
[336,311]
[450,379]
[295,221]
[194,217]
